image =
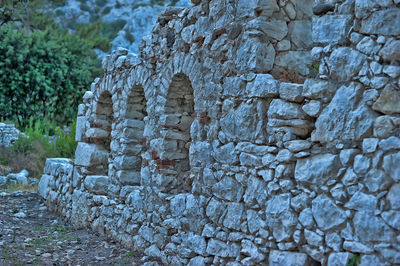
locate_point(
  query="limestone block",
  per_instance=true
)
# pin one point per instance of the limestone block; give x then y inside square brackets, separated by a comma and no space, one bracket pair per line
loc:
[300,34]
[228,189]
[256,190]
[318,89]
[285,110]
[128,177]
[383,22]
[43,187]
[368,228]
[393,196]
[353,120]
[264,7]
[200,153]
[90,154]
[330,29]
[326,213]
[127,162]
[255,56]
[254,221]
[264,85]
[362,202]
[291,92]
[97,133]
[276,29]
[385,126]
[277,258]
[297,145]
[280,218]
[222,249]
[339,259]
[97,184]
[298,61]
[392,218]
[215,209]
[80,128]
[317,169]
[367,260]
[345,63]
[312,108]
[233,216]
[388,101]
[391,165]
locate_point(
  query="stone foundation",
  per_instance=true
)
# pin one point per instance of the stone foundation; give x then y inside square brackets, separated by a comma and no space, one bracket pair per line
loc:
[246,133]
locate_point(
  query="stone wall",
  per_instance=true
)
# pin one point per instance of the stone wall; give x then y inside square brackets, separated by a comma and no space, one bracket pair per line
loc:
[8,134]
[247,132]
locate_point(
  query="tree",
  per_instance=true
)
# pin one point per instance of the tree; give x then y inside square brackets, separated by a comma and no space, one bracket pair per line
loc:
[43,74]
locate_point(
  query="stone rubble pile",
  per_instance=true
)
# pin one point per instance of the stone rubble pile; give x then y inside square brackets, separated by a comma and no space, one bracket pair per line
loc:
[21,178]
[8,134]
[221,144]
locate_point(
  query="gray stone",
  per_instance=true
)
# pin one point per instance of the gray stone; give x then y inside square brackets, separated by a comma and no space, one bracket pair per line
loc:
[312,108]
[339,259]
[250,160]
[255,56]
[254,222]
[298,61]
[391,165]
[300,33]
[264,85]
[215,209]
[367,260]
[90,154]
[347,156]
[250,249]
[226,154]
[344,63]
[291,92]
[391,143]
[357,247]
[222,249]
[334,241]
[178,204]
[385,126]
[361,164]
[362,202]
[331,29]
[383,22]
[393,196]
[376,180]
[233,216]
[369,145]
[43,187]
[390,52]
[256,190]
[97,184]
[353,120]
[388,101]
[278,258]
[368,228]
[285,110]
[228,189]
[392,218]
[306,218]
[319,89]
[197,261]
[367,45]
[349,178]
[317,169]
[280,218]
[326,213]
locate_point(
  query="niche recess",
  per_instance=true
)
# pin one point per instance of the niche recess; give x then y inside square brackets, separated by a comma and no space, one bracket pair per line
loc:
[174,163]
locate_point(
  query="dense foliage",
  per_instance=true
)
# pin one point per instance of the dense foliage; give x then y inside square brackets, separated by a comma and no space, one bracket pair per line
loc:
[44,69]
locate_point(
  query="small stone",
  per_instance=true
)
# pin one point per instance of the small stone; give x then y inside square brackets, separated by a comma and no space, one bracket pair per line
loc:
[369,145]
[361,164]
[312,108]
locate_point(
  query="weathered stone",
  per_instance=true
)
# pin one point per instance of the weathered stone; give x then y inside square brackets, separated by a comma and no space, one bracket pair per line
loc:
[300,34]
[376,180]
[291,92]
[362,202]
[277,258]
[233,216]
[334,241]
[228,189]
[344,63]
[226,154]
[256,190]
[222,249]
[383,22]
[319,89]
[353,119]
[367,260]
[312,108]
[298,61]
[90,154]
[280,218]
[385,126]
[215,209]
[361,164]
[393,196]
[276,29]
[43,187]
[250,249]
[306,219]
[388,101]
[264,85]
[326,213]
[392,218]
[391,165]
[331,29]
[97,184]
[254,221]
[391,143]
[339,259]
[297,145]
[369,145]
[317,169]
[369,228]
[285,110]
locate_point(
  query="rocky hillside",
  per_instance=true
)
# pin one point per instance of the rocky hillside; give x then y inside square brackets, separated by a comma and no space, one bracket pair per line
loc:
[127,21]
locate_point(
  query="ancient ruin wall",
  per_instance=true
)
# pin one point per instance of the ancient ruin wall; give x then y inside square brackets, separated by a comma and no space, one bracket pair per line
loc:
[249,132]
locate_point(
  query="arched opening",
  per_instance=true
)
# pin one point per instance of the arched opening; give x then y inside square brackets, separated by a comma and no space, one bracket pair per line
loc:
[133,142]
[101,126]
[176,122]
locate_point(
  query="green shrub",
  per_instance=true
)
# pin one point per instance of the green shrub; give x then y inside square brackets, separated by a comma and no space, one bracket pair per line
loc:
[106,10]
[354,260]
[129,36]
[111,29]
[44,74]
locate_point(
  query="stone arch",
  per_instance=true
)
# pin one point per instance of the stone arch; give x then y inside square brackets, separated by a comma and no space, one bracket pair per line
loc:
[133,142]
[175,124]
[101,127]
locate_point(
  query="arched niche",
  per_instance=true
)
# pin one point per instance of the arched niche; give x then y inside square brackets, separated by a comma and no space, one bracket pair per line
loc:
[175,129]
[133,142]
[101,126]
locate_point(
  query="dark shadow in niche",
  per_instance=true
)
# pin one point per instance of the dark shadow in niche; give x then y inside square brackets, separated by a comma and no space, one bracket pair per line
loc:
[174,163]
[133,142]
[101,126]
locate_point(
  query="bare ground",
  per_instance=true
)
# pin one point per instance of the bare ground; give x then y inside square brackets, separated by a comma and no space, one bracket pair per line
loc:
[30,235]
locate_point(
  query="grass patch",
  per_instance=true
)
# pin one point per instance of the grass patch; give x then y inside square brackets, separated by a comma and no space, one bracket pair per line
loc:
[354,260]
[13,188]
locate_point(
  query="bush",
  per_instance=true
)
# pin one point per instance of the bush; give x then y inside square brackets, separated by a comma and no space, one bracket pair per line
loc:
[110,30]
[42,140]
[43,74]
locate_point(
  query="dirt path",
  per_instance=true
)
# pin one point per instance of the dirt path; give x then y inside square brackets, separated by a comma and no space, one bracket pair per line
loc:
[30,235]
